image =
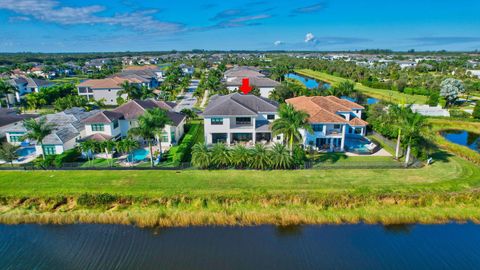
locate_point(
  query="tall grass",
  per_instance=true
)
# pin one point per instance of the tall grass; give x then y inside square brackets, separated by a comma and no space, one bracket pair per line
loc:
[248,209]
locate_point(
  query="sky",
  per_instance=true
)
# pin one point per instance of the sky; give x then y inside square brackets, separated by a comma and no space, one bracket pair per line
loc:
[154,25]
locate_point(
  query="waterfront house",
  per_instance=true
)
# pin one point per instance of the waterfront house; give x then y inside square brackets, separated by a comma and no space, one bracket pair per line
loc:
[115,124]
[234,77]
[334,121]
[9,119]
[238,118]
[67,130]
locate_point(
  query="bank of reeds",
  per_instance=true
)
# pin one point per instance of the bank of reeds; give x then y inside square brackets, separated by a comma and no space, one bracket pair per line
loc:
[288,209]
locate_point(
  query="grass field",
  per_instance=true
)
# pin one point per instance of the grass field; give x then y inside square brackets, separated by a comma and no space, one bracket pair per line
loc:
[387,95]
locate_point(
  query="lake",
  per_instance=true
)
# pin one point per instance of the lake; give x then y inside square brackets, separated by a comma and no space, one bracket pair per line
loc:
[81,246]
[308,82]
[462,137]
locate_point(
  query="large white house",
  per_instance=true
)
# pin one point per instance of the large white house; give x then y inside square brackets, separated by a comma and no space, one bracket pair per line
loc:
[27,85]
[238,118]
[107,89]
[234,79]
[334,121]
[115,124]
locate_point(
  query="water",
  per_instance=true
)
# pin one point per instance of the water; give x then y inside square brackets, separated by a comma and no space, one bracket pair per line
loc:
[138,154]
[462,137]
[369,101]
[357,144]
[450,246]
[308,82]
[26,151]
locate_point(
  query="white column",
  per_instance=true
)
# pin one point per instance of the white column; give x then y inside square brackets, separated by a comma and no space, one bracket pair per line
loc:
[342,143]
[229,138]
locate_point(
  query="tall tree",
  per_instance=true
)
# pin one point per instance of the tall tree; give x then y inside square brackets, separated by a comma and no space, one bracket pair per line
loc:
[8,153]
[5,89]
[37,130]
[415,126]
[289,123]
[450,89]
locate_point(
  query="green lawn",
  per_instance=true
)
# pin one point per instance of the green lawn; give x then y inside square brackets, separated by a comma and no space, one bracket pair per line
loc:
[387,95]
[453,174]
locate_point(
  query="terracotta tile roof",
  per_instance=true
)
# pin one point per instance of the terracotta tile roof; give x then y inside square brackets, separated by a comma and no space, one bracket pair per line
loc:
[113,82]
[99,137]
[324,109]
[135,108]
[357,122]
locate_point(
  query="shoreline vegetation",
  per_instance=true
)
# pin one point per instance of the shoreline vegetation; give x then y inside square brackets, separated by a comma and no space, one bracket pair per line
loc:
[443,192]
[383,94]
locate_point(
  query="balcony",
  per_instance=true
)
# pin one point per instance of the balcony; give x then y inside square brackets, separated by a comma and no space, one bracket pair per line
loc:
[334,132]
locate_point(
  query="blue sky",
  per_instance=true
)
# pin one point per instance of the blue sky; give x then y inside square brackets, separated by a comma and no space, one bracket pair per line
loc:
[133,25]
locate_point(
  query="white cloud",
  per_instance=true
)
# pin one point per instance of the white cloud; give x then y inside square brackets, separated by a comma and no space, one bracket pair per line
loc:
[309,37]
[52,11]
[278,43]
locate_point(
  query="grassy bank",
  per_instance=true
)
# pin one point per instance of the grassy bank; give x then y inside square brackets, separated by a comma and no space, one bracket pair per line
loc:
[446,190]
[439,124]
[387,95]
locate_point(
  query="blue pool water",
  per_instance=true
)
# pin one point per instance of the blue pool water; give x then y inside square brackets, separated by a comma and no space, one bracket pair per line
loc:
[357,144]
[370,101]
[26,151]
[461,137]
[308,82]
[138,155]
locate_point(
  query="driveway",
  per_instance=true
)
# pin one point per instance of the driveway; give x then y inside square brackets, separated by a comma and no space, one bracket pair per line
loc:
[187,100]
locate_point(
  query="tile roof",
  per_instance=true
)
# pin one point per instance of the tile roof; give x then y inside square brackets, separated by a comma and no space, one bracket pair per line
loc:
[238,104]
[255,81]
[112,82]
[103,117]
[324,109]
[243,72]
[357,122]
[99,137]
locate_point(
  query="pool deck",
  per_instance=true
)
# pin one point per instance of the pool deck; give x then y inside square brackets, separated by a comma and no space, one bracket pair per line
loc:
[380,153]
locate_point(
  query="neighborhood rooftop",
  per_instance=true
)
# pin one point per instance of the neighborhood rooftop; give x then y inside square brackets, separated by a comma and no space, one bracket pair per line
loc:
[238,104]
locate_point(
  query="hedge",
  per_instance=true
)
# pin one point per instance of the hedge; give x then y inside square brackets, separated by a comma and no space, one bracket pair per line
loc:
[182,151]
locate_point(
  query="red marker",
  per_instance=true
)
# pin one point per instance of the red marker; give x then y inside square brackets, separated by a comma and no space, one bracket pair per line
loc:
[245,87]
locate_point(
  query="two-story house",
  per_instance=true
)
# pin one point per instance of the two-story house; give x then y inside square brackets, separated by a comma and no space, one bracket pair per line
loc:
[234,79]
[333,120]
[27,85]
[237,118]
[115,124]
[108,89]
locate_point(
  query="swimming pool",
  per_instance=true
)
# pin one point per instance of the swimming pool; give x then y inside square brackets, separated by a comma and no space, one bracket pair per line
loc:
[138,154]
[357,145]
[26,151]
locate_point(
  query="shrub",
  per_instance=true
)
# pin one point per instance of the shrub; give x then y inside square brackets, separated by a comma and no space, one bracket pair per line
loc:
[459,114]
[476,111]
[182,151]
[67,156]
[99,199]
[433,99]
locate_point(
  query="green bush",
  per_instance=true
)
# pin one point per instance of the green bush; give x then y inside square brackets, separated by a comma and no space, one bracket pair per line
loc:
[99,199]
[476,111]
[67,156]
[433,99]
[459,114]
[182,151]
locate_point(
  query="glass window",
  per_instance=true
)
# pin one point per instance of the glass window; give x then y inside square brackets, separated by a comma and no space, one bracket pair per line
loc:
[164,137]
[49,150]
[115,124]
[15,138]
[172,136]
[217,121]
[336,126]
[98,127]
[317,128]
[271,116]
[243,120]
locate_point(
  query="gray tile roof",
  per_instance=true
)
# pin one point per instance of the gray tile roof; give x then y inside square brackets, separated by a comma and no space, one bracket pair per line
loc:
[237,104]
[255,81]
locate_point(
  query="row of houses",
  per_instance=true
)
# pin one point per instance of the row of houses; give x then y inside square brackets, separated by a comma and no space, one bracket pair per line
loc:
[75,125]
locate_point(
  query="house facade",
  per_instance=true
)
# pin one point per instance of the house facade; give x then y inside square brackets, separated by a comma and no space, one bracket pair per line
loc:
[115,124]
[234,77]
[68,129]
[237,118]
[334,121]
[26,85]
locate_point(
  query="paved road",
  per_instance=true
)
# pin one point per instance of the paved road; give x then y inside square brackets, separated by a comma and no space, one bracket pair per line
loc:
[187,99]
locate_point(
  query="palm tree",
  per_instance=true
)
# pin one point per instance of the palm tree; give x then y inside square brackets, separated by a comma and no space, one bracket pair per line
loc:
[126,146]
[415,126]
[201,157]
[8,153]
[240,156]
[129,89]
[281,158]
[5,89]
[87,147]
[221,155]
[260,158]
[108,147]
[289,123]
[149,126]
[160,118]
[37,130]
